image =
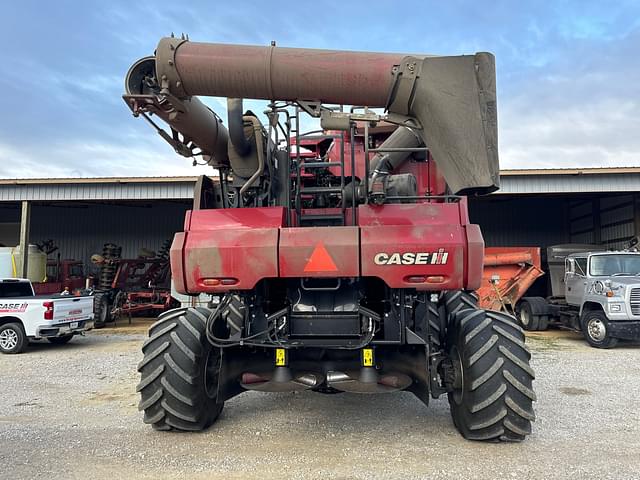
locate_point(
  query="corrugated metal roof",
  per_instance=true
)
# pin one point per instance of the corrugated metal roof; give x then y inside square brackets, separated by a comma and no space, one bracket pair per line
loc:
[569,171]
[97,189]
[553,182]
[518,182]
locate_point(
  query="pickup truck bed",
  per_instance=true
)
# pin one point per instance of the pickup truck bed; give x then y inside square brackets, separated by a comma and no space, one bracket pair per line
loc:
[25,316]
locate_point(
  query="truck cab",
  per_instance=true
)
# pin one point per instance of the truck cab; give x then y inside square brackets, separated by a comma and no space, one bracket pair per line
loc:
[602,291]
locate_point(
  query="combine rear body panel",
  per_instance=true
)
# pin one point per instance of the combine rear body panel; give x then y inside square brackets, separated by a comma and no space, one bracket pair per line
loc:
[341,260]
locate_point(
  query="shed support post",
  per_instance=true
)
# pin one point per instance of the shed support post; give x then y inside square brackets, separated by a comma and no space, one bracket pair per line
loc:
[25,223]
[597,228]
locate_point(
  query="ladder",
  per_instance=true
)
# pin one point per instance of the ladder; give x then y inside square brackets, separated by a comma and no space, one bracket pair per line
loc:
[319,216]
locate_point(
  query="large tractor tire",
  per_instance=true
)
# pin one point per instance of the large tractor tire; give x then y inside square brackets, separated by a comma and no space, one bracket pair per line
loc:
[437,325]
[457,300]
[492,396]
[179,373]
[102,310]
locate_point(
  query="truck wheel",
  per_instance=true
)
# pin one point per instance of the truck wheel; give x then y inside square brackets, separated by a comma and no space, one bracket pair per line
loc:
[179,372]
[492,396]
[12,338]
[595,328]
[527,319]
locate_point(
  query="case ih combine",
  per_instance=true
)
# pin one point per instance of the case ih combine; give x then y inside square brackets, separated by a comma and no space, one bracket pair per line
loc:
[340,260]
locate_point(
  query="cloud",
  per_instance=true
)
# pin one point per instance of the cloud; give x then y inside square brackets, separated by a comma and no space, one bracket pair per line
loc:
[568,82]
[579,114]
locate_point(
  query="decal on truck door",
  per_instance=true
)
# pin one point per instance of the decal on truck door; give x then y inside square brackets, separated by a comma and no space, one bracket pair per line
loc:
[412,258]
[13,307]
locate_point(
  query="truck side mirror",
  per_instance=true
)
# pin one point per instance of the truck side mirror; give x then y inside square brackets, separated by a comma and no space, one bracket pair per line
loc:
[569,269]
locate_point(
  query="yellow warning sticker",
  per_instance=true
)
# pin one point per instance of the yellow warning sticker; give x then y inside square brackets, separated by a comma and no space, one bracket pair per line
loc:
[281,357]
[367,357]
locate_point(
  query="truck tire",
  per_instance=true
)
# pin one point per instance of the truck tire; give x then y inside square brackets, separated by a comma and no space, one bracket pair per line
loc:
[12,338]
[179,373]
[526,318]
[60,340]
[492,395]
[595,327]
[533,313]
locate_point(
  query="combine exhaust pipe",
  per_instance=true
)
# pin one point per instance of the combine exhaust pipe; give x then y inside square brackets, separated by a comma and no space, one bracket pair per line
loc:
[452,98]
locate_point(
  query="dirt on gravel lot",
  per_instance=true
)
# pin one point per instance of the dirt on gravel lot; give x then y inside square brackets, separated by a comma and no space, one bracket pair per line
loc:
[70,411]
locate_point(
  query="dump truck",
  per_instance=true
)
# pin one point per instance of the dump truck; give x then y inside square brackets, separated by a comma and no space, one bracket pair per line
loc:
[591,290]
[341,260]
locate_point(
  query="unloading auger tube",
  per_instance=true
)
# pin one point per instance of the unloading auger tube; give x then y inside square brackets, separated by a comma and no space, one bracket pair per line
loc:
[451,99]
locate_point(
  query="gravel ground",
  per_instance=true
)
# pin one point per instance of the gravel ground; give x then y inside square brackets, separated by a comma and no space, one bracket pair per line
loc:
[70,412]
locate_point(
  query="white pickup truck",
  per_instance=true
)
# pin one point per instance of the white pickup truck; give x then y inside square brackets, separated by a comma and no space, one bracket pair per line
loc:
[25,316]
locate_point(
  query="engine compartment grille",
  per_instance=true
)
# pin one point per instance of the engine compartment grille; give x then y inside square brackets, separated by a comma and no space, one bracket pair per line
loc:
[634,300]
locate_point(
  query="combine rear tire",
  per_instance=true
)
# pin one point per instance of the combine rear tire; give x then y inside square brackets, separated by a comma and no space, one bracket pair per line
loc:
[179,373]
[458,300]
[492,397]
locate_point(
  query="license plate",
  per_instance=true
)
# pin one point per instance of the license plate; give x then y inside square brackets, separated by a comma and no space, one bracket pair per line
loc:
[73,325]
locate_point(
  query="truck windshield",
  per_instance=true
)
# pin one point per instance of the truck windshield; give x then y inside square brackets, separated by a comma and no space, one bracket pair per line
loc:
[15,289]
[608,265]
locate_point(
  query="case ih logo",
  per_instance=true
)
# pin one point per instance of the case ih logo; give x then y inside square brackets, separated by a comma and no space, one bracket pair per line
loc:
[12,307]
[412,258]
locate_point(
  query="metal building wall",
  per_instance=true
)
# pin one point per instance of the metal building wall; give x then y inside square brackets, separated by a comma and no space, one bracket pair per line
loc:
[513,221]
[81,230]
[98,189]
[577,183]
[608,220]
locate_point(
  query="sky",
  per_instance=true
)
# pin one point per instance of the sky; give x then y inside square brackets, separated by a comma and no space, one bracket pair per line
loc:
[568,74]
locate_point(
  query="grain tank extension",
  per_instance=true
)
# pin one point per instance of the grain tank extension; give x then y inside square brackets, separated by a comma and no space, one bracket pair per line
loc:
[340,260]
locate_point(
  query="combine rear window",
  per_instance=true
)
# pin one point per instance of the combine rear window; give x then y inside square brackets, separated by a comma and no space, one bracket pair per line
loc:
[10,289]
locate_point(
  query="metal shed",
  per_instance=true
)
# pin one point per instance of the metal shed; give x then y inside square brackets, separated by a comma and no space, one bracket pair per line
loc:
[532,208]
[545,207]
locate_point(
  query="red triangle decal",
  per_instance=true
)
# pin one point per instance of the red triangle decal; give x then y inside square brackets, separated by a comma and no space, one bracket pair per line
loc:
[320,261]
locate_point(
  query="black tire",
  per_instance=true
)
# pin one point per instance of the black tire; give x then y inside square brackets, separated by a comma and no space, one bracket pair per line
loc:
[179,373]
[595,328]
[102,310]
[60,340]
[458,300]
[12,338]
[543,322]
[526,318]
[437,325]
[492,396]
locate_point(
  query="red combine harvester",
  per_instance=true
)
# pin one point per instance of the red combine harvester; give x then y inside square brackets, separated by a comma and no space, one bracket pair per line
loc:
[338,260]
